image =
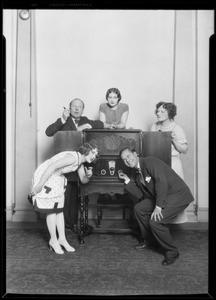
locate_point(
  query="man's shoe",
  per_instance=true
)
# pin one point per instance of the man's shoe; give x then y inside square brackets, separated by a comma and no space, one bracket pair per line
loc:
[144,246]
[73,228]
[67,225]
[169,260]
[88,230]
[141,246]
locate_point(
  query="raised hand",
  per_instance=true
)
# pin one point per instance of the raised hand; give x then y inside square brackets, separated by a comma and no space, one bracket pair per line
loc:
[65,114]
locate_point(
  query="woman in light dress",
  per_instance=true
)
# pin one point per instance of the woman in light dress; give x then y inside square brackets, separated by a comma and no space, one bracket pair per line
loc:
[166,112]
[113,114]
[48,187]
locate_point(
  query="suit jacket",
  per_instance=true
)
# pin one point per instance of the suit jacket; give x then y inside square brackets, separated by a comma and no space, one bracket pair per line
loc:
[163,185]
[70,126]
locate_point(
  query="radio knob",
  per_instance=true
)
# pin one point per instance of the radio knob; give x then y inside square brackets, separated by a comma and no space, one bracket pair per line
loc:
[103,172]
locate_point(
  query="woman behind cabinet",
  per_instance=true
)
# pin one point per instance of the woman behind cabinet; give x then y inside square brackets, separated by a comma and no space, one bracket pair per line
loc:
[114,114]
[166,112]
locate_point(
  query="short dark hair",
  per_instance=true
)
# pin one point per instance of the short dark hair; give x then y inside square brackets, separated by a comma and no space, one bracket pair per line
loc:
[114,90]
[170,107]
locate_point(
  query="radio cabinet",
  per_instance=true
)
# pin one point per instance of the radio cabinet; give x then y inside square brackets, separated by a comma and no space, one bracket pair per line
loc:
[105,170]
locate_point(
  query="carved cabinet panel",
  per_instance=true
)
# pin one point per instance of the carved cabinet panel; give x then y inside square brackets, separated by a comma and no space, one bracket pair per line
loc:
[110,143]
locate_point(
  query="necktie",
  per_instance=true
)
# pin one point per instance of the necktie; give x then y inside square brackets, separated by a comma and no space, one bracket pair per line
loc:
[141,176]
[141,179]
[76,122]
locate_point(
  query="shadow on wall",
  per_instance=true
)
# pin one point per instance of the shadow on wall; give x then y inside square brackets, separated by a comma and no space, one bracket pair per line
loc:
[48,151]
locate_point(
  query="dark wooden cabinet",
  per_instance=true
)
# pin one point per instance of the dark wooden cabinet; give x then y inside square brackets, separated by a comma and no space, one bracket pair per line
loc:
[67,141]
[157,144]
[105,170]
[110,143]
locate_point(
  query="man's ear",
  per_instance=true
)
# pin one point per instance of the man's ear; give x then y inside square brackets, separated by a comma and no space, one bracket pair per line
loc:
[135,153]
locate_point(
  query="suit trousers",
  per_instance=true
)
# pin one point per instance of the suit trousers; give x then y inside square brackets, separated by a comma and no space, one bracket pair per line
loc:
[157,231]
[71,205]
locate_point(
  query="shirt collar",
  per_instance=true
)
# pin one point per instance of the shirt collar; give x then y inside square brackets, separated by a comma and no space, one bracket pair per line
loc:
[75,120]
[138,169]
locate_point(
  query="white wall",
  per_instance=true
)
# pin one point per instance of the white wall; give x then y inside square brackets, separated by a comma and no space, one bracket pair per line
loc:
[82,53]
[204,32]
[9,31]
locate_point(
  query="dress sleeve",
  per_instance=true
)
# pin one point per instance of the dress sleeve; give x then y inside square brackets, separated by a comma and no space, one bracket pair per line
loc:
[153,127]
[125,108]
[180,134]
[102,108]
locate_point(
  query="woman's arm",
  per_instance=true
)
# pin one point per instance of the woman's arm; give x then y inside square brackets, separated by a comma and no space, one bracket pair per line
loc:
[123,120]
[179,141]
[153,127]
[182,148]
[60,163]
[102,118]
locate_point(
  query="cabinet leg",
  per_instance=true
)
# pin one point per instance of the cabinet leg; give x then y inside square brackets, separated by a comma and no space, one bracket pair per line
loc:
[82,201]
[131,216]
[123,213]
[99,216]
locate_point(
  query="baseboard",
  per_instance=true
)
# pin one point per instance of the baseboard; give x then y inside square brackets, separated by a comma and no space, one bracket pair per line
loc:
[9,213]
[24,216]
[30,216]
[202,214]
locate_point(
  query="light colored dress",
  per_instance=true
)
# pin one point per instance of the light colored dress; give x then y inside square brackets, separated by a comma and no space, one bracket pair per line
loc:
[51,198]
[176,163]
[113,116]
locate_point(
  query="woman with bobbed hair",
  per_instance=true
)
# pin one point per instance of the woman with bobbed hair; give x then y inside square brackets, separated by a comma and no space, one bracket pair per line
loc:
[113,114]
[48,187]
[166,112]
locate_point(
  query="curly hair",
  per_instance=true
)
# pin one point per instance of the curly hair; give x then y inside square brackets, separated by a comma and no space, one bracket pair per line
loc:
[86,148]
[114,90]
[170,108]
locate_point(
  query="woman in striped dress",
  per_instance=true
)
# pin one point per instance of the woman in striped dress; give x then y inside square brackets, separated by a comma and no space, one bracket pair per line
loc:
[165,112]
[48,187]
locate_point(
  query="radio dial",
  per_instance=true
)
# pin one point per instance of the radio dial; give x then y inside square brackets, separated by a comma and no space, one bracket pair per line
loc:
[103,172]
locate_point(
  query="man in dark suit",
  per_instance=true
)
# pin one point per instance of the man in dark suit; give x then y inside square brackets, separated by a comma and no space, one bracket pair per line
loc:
[72,120]
[161,195]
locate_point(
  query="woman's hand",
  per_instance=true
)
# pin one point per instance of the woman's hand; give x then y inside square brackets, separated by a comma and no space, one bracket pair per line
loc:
[36,189]
[181,148]
[173,136]
[88,172]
